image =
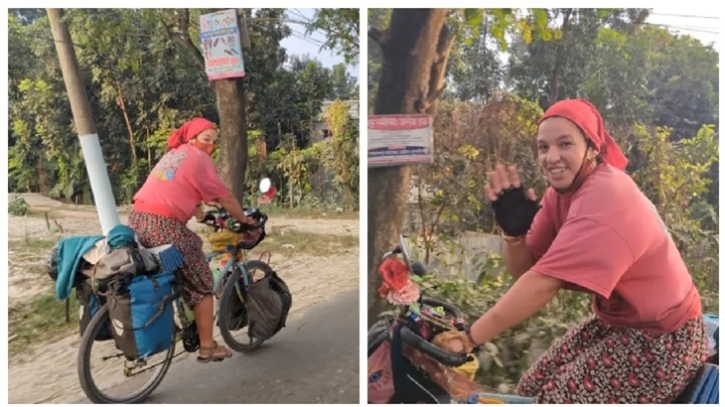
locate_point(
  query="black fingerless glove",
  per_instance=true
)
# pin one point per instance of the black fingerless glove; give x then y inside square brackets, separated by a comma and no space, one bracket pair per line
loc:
[515,211]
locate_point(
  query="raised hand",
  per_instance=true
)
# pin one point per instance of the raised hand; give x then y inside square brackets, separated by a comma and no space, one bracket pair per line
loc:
[514,209]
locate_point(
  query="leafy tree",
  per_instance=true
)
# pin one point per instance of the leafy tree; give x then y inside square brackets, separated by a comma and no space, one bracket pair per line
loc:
[342,27]
[415,48]
[344,85]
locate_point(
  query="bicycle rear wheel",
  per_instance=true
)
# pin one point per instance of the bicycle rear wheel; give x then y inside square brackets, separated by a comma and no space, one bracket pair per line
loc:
[230,320]
[99,393]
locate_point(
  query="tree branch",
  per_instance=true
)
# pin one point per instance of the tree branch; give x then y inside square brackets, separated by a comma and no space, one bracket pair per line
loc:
[436,83]
[186,38]
[181,35]
[377,36]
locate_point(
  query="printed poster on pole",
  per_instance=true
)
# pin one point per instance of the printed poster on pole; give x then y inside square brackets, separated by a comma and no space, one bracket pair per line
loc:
[221,45]
[400,139]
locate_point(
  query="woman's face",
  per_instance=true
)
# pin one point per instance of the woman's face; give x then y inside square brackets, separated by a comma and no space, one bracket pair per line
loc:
[207,136]
[561,149]
[205,140]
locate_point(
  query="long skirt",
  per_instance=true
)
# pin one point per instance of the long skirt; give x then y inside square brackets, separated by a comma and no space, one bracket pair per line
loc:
[597,363]
[155,230]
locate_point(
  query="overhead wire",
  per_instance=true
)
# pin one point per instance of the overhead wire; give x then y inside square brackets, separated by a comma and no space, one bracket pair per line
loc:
[685,16]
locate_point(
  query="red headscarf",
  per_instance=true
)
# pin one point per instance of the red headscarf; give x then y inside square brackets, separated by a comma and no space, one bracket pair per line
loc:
[587,117]
[188,131]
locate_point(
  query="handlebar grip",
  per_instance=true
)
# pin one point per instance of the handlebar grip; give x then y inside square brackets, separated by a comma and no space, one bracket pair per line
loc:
[243,227]
[443,356]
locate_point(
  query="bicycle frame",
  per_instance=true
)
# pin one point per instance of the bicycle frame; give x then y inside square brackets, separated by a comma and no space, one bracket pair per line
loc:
[228,268]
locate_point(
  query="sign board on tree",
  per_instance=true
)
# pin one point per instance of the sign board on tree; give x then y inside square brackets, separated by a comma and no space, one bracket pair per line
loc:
[221,45]
[400,139]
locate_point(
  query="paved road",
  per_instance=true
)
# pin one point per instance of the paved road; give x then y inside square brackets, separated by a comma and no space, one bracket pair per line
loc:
[313,360]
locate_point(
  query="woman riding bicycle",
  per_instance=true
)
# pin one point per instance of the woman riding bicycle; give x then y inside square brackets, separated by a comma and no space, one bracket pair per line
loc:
[597,233]
[173,192]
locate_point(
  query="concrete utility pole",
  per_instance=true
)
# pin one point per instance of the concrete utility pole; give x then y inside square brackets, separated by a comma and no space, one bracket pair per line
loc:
[81,108]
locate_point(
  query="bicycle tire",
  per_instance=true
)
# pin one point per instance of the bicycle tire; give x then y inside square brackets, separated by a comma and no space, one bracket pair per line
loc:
[93,393]
[229,290]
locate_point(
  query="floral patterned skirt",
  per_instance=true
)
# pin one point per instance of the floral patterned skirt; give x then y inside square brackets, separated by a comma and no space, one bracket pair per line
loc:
[155,230]
[598,363]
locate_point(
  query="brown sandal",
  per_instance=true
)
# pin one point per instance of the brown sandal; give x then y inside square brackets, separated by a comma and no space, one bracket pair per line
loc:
[214,353]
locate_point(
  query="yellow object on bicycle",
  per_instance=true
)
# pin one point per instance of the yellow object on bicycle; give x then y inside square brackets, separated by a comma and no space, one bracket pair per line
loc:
[488,400]
[468,369]
[220,240]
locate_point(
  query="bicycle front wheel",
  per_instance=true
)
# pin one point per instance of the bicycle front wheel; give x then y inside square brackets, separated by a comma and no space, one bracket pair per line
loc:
[233,312]
[112,384]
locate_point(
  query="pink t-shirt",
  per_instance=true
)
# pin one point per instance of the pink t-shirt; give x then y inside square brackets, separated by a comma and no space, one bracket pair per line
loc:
[183,178]
[607,238]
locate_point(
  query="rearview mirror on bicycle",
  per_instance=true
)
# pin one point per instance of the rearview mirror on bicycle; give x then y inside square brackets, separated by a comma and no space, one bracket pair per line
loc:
[264,185]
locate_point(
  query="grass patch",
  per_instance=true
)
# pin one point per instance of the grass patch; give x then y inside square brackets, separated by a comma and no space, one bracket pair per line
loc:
[30,250]
[39,321]
[37,213]
[308,243]
[308,213]
[28,245]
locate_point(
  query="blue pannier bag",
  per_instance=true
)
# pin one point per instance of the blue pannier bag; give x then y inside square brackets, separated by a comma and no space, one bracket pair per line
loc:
[142,315]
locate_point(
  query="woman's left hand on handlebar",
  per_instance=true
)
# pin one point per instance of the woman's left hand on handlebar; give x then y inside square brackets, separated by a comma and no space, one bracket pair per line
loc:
[454,341]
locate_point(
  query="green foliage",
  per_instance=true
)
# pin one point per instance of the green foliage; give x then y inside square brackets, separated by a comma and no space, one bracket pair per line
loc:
[342,26]
[17,206]
[341,151]
[344,85]
[674,176]
[470,140]
[296,165]
[142,82]
[507,356]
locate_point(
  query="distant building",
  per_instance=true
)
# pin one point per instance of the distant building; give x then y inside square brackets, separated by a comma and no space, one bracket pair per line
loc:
[319,126]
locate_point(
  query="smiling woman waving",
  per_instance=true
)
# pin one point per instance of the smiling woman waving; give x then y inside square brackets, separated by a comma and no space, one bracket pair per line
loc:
[595,232]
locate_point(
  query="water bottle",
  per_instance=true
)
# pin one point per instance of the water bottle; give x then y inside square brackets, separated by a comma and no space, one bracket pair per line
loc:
[188,312]
[712,324]
[217,273]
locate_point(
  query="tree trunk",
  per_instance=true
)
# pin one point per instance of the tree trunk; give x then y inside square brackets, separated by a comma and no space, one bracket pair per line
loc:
[559,61]
[233,128]
[412,64]
[131,141]
[231,106]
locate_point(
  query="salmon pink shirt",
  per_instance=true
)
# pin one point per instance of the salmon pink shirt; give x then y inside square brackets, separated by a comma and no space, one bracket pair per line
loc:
[608,239]
[183,179]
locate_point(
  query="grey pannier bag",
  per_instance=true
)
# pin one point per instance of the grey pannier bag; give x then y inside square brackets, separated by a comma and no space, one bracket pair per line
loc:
[268,303]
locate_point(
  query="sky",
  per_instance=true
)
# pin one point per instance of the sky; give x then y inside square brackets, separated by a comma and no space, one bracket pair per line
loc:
[299,43]
[697,22]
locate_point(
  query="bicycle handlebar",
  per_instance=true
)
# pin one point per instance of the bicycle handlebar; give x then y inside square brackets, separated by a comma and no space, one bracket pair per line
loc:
[441,355]
[237,226]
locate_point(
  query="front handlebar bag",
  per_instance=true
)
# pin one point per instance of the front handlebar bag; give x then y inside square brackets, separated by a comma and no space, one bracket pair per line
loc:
[223,238]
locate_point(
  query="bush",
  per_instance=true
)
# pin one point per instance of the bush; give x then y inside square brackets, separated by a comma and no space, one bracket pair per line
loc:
[17,206]
[505,358]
